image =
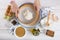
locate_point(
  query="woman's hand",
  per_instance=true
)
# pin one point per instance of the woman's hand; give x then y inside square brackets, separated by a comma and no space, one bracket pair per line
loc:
[37,5]
[14,8]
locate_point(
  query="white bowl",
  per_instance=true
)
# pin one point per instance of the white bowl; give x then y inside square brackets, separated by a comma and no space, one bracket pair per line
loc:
[22,36]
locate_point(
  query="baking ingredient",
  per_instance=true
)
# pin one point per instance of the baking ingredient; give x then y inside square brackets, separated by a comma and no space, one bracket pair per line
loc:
[28,15]
[50,33]
[7,17]
[35,32]
[8,11]
[14,22]
[9,14]
[20,32]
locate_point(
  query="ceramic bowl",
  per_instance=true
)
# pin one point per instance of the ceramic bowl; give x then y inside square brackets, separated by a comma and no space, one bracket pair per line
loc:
[18,36]
[21,18]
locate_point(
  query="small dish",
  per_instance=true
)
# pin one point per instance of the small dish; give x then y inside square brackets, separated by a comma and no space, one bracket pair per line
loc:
[20,30]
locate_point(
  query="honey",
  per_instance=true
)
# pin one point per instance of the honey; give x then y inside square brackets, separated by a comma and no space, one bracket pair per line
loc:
[20,32]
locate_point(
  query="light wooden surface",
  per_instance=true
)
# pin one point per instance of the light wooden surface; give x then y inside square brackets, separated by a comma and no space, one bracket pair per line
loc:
[4,33]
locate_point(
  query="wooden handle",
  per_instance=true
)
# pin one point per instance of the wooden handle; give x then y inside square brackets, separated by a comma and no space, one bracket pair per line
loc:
[47,23]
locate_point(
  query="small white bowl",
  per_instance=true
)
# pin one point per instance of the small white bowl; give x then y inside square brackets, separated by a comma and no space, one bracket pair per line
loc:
[22,36]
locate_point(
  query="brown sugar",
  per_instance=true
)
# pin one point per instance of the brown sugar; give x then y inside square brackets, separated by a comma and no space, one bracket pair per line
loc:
[50,33]
[8,10]
[20,32]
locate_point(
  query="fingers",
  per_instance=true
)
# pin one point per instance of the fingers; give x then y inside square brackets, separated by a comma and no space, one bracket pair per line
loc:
[37,5]
[14,8]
